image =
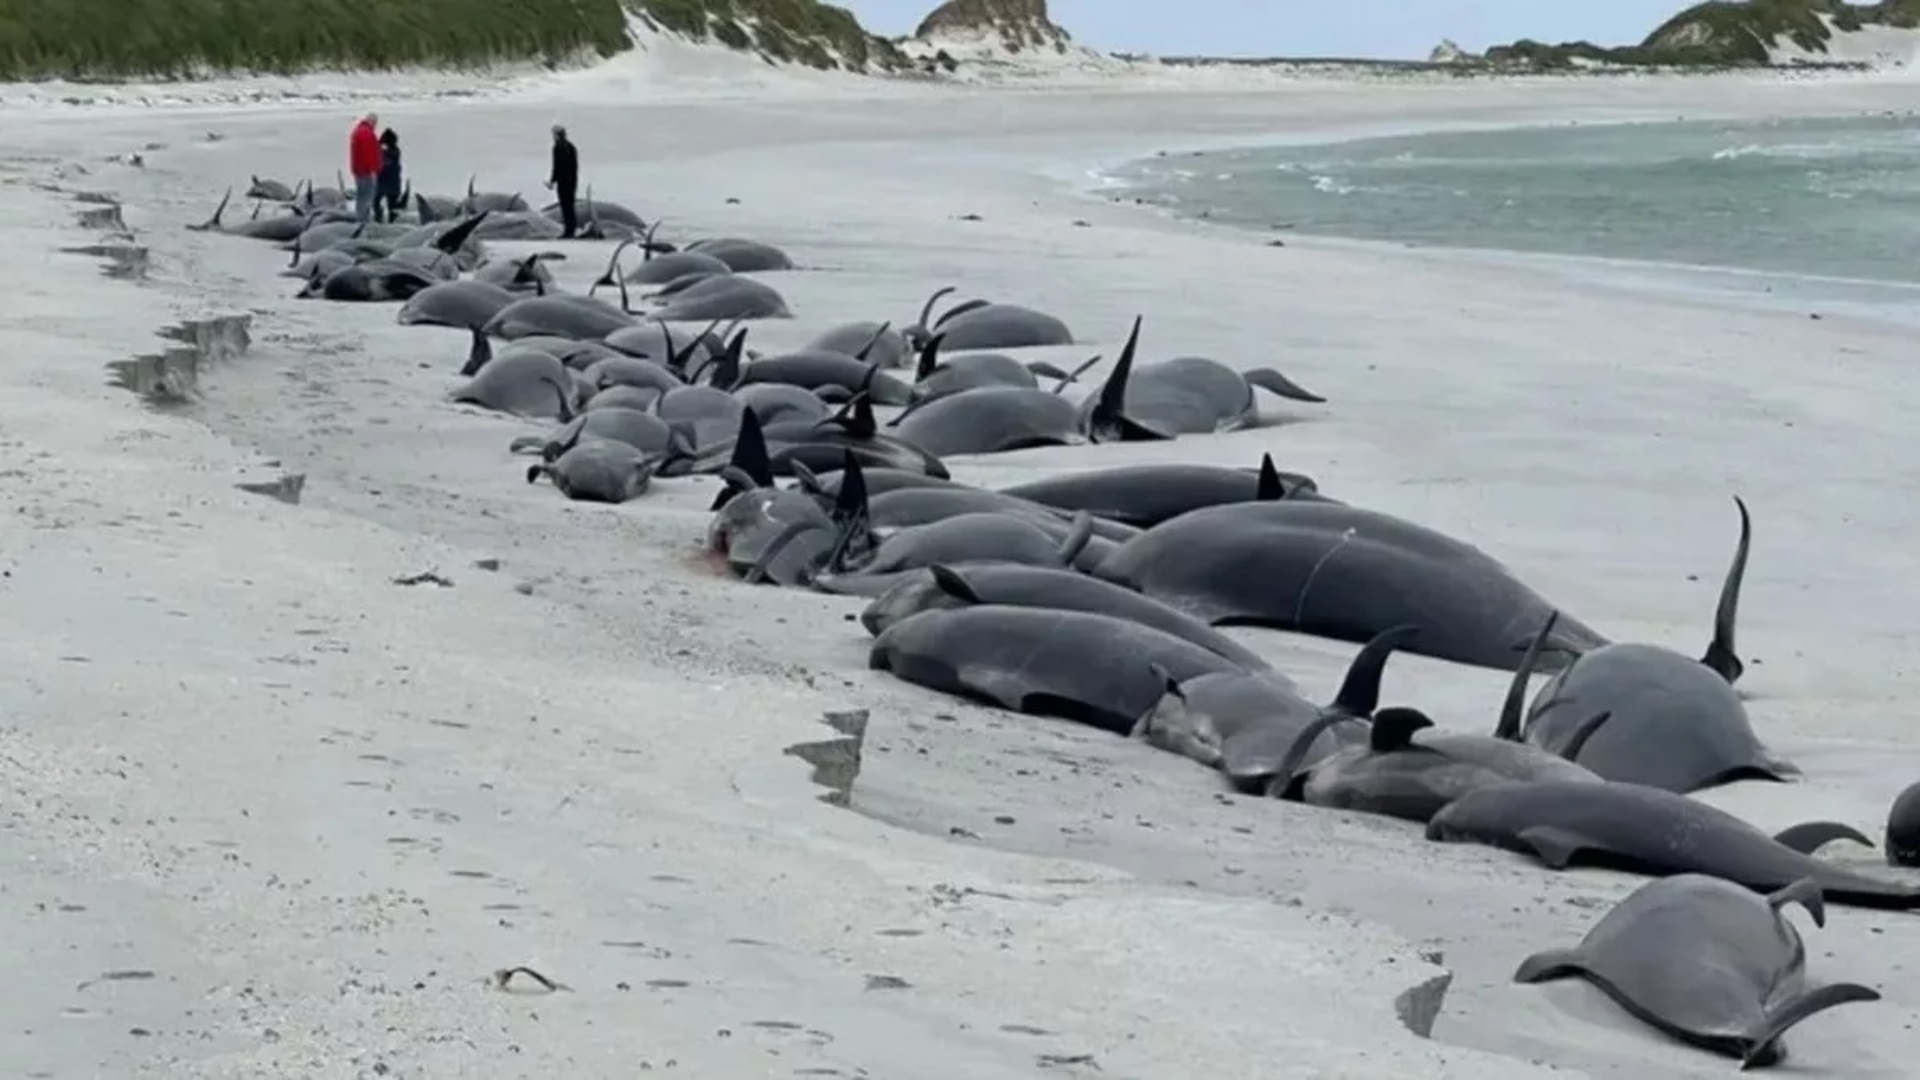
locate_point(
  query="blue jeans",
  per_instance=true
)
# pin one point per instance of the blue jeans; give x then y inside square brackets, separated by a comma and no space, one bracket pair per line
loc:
[363,196]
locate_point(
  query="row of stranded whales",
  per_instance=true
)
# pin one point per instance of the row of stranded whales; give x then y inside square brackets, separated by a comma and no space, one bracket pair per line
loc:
[339,257]
[936,629]
[1100,596]
[996,406]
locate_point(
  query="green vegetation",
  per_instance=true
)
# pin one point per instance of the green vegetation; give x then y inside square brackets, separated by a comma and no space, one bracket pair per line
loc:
[1717,34]
[98,39]
[797,31]
[109,39]
[1021,24]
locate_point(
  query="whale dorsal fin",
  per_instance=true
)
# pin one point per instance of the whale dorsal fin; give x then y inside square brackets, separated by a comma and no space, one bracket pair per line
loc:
[953,584]
[1394,729]
[678,358]
[1108,420]
[1581,734]
[213,222]
[565,407]
[853,517]
[1513,712]
[929,358]
[1067,378]
[1079,534]
[1270,489]
[860,422]
[456,237]
[1289,779]
[958,309]
[726,371]
[750,450]
[926,309]
[1111,403]
[1720,655]
[613,266]
[760,569]
[867,349]
[479,354]
[805,479]
[1360,693]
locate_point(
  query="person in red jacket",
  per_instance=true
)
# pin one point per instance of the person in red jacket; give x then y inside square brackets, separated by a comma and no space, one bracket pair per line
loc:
[363,161]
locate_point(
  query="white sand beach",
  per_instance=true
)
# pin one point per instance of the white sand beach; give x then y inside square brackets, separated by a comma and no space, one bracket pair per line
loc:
[269,814]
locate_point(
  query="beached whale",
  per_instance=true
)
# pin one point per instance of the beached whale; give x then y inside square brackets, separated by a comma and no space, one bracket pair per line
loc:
[943,585]
[1677,722]
[1041,661]
[1147,494]
[1341,572]
[982,324]
[1647,830]
[725,296]
[1705,961]
[1186,395]
[876,342]
[743,256]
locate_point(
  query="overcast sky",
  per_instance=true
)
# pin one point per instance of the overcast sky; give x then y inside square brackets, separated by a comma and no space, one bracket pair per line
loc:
[1395,29]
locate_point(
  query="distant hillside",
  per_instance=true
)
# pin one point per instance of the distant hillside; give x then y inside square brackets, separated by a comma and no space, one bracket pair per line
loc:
[106,39]
[103,40]
[1724,33]
[792,31]
[1015,26]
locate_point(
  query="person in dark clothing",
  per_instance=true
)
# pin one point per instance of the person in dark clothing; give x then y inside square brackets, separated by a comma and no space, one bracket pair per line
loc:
[390,187]
[565,179]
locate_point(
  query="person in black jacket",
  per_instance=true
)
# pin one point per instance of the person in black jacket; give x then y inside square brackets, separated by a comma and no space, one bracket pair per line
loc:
[565,179]
[388,193]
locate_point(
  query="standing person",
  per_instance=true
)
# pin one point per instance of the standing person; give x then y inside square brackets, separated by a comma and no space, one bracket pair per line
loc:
[565,178]
[390,187]
[363,161]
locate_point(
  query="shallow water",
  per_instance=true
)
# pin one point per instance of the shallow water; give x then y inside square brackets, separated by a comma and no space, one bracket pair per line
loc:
[1825,197]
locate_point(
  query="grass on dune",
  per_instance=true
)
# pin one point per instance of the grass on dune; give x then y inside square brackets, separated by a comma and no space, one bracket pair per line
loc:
[105,39]
[797,31]
[83,39]
[1723,33]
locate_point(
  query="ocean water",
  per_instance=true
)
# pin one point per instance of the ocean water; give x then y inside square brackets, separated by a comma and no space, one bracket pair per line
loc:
[1826,198]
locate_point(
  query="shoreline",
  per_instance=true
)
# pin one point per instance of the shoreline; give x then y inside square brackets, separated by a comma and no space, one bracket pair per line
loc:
[652,48]
[644,765]
[1749,286]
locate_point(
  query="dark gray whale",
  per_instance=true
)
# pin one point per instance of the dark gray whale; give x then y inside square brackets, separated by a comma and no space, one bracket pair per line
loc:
[1042,662]
[1340,572]
[1651,831]
[1249,724]
[1705,961]
[1147,494]
[942,586]
[1676,721]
